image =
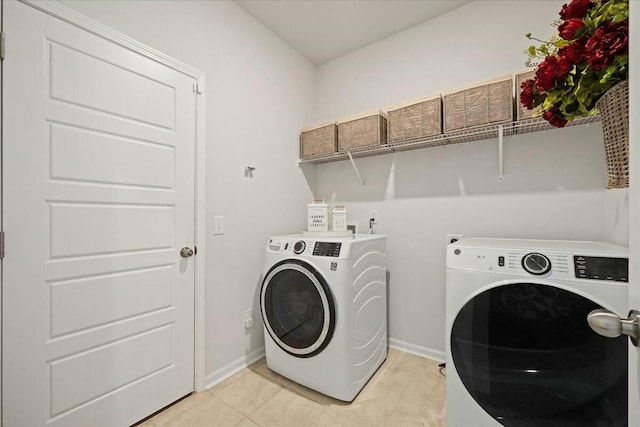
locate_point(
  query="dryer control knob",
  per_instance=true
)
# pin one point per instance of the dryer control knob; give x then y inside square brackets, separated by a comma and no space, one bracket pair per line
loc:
[299,247]
[536,263]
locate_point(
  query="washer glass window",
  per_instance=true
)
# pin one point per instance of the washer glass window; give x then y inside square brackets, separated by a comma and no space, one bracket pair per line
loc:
[527,356]
[297,308]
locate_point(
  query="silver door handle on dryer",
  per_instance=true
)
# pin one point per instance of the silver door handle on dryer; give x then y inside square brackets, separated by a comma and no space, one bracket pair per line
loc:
[608,324]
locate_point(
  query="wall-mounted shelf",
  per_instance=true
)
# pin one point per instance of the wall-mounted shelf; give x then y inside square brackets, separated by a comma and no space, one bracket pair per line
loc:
[467,135]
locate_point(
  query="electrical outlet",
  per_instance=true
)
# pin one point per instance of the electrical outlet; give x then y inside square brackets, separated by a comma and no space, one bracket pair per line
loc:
[247,318]
[452,238]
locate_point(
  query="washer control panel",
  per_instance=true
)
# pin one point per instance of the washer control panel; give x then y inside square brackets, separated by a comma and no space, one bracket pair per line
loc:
[601,268]
[327,249]
[295,246]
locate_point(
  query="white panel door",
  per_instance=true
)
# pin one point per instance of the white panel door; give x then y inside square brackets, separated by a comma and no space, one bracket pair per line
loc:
[98,307]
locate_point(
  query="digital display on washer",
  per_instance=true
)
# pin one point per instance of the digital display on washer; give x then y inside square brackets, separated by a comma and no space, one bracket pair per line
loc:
[601,268]
[327,249]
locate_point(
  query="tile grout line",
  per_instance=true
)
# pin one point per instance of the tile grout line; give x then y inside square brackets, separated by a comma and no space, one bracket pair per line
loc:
[264,403]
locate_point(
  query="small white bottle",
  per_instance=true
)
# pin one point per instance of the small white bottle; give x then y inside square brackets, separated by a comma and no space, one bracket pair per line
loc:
[339,215]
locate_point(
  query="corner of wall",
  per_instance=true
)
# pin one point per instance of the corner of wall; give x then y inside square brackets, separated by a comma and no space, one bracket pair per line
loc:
[221,374]
[616,216]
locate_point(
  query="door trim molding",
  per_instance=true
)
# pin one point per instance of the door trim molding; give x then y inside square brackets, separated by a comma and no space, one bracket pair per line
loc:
[79,20]
[83,22]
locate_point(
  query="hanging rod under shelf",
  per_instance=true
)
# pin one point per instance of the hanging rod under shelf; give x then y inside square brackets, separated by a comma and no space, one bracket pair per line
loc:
[479,133]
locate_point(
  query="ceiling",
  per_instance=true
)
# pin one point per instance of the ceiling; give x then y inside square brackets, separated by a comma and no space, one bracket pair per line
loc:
[322,30]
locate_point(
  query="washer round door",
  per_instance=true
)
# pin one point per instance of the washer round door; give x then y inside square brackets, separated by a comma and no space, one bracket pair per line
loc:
[527,356]
[297,308]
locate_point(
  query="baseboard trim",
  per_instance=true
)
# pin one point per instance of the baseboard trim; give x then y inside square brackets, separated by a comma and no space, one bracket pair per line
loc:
[418,350]
[219,375]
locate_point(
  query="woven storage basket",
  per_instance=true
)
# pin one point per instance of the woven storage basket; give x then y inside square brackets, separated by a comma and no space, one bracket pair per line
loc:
[614,114]
[364,130]
[481,104]
[318,140]
[521,111]
[415,119]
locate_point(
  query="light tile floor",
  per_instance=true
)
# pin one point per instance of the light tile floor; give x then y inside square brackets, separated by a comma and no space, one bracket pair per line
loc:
[407,390]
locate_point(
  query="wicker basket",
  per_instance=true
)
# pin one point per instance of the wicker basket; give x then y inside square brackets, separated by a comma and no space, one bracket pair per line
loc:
[481,104]
[362,131]
[415,119]
[614,114]
[318,140]
[523,112]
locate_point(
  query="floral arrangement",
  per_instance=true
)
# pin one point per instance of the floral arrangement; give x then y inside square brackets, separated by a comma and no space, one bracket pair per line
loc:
[586,57]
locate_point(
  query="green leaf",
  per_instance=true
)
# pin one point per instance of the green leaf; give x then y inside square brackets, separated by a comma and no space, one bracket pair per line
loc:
[608,72]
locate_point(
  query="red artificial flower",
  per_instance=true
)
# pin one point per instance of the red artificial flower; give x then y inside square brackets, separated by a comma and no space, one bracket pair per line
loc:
[569,28]
[554,119]
[527,96]
[575,9]
[576,52]
[606,43]
[550,69]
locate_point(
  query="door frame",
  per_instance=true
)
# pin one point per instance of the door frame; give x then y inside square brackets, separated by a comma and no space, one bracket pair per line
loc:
[634,203]
[76,19]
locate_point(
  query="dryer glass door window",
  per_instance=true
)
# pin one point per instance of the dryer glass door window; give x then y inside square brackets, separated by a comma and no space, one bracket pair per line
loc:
[297,308]
[527,356]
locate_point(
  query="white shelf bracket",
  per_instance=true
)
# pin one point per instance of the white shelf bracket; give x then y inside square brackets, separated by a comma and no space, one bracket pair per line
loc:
[355,169]
[500,153]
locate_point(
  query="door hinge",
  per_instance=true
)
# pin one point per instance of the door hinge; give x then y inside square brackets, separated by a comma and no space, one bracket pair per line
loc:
[1,244]
[196,88]
[2,46]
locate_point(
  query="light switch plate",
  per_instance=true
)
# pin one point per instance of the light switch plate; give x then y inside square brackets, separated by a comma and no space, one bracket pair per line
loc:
[218,225]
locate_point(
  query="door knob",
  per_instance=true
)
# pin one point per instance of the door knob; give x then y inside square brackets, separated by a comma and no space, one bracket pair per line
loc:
[186,252]
[608,324]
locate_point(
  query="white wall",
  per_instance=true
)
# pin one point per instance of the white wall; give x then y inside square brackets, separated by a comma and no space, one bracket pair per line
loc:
[554,181]
[616,209]
[260,92]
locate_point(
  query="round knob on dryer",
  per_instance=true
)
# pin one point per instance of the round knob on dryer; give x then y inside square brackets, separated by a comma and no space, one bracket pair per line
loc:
[299,247]
[536,264]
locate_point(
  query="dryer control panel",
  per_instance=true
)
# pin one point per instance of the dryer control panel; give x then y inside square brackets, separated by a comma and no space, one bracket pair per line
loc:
[590,261]
[601,268]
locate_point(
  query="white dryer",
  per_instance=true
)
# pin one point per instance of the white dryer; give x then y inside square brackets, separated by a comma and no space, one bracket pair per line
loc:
[324,308]
[519,349]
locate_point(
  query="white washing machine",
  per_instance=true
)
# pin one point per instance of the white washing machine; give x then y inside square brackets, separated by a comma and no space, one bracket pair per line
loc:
[519,349]
[324,308]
